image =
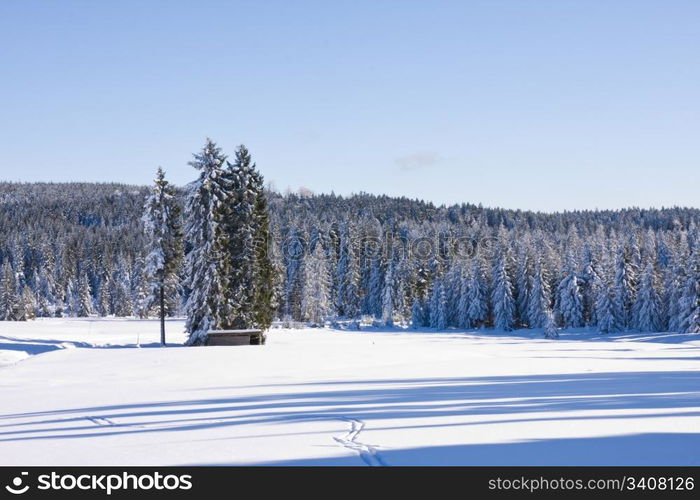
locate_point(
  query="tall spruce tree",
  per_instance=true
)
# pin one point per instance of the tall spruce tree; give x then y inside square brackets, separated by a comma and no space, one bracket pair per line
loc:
[606,310]
[690,299]
[28,304]
[502,296]
[162,225]
[388,297]
[84,306]
[373,298]
[316,294]
[347,276]
[646,311]
[265,275]
[463,301]
[438,306]
[417,313]
[625,284]
[477,293]
[550,326]
[240,230]
[674,287]
[9,303]
[208,258]
[524,284]
[570,304]
[540,298]
[588,282]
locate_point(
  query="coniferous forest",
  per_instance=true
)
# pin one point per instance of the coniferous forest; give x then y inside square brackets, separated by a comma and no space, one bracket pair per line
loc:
[82,249]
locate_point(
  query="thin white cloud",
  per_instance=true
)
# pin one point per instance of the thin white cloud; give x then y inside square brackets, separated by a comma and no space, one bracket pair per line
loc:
[418,160]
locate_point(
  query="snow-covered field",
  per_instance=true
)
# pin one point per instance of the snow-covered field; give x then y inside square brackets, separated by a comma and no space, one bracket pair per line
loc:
[81,392]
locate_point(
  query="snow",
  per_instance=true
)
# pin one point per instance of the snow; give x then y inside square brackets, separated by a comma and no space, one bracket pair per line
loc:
[80,391]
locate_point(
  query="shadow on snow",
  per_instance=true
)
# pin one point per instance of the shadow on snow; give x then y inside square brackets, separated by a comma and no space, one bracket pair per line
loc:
[513,399]
[632,449]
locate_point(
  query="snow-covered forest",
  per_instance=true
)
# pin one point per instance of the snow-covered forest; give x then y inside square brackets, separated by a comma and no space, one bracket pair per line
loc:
[80,249]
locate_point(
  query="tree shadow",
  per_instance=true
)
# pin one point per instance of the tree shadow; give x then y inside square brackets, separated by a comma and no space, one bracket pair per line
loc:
[40,346]
[628,450]
[35,346]
[566,334]
[526,398]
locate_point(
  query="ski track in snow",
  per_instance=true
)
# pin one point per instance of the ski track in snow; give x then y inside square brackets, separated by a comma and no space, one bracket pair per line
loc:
[101,421]
[367,453]
[106,422]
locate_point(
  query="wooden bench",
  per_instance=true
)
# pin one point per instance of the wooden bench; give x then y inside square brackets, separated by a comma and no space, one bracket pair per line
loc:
[235,337]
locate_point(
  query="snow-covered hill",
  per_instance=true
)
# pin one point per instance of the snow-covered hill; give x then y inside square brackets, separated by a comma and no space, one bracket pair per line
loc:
[89,395]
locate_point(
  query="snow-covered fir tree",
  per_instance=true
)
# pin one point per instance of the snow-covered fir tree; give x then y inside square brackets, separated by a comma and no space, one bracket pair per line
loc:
[417,313]
[316,295]
[569,303]
[84,306]
[502,295]
[162,226]
[477,293]
[524,285]
[550,326]
[104,297]
[606,310]
[589,277]
[123,304]
[690,299]
[265,274]
[647,305]
[438,306]
[388,298]
[241,250]
[674,287]
[625,285]
[462,310]
[208,260]
[27,304]
[452,284]
[9,303]
[143,304]
[373,299]
[540,298]
[347,276]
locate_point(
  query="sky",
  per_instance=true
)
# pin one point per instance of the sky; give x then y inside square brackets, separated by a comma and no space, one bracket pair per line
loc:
[542,105]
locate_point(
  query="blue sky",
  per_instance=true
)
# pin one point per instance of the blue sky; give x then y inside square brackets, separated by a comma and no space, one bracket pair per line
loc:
[545,105]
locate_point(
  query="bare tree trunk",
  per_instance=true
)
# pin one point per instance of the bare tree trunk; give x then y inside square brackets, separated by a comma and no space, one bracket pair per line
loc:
[162,316]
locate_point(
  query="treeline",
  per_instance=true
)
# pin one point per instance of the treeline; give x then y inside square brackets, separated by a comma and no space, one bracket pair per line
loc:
[72,249]
[80,250]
